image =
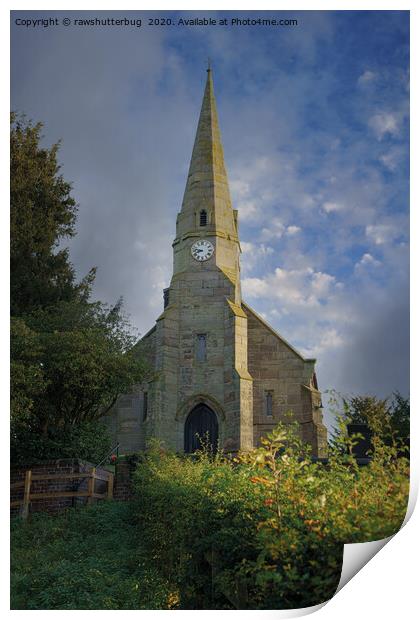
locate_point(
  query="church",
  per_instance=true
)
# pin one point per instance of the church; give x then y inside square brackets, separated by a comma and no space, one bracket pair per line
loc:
[217,369]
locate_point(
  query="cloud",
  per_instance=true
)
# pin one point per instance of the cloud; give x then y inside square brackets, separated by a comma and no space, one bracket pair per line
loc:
[367,77]
[293,230]
[251,248]
[381,233]
[247,208]
[328,340]
[383,123]
[314,191]
[276,230]
[254,255]
[367,260]
[295,287]
[331,207]
[322,283]
[392,159]
[382,332]
[248,211]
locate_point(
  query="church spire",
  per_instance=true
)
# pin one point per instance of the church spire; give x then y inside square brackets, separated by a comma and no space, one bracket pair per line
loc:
[207,184]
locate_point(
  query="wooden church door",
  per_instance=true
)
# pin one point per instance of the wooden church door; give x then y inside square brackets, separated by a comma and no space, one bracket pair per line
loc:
[201,424]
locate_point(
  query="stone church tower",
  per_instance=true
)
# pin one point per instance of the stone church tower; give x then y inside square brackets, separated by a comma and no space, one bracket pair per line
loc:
[217,367]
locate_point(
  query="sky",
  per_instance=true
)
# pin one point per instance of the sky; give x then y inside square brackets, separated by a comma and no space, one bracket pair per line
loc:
[315,127]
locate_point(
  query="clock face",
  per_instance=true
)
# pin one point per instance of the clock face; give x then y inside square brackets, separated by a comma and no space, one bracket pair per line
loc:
[202,250]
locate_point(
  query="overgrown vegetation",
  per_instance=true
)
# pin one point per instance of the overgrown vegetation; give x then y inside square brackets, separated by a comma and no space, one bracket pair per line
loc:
[263,530]
[89,558]
[70,356]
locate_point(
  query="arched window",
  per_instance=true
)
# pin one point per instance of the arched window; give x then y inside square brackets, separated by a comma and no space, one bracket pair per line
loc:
[203,217]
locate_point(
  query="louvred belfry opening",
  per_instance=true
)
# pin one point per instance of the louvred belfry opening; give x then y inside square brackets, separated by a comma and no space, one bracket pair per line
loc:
[207,197]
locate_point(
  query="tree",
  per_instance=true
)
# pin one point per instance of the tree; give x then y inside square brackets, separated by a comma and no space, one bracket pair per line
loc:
[400,416]
[27,377]
[369,410]
[87,358]
[70,357]
[390,421]
[68,364]
[42,214]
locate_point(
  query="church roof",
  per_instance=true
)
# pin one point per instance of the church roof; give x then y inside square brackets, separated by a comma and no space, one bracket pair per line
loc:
[207,183]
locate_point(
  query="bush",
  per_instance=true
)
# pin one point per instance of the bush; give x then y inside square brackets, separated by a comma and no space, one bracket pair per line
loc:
[265,530]
[89,441]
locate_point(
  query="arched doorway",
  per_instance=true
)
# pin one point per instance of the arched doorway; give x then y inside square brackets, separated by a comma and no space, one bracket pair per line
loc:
[201,423]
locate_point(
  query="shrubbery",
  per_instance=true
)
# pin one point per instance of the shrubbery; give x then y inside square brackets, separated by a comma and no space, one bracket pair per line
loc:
[265,530]
[89,441]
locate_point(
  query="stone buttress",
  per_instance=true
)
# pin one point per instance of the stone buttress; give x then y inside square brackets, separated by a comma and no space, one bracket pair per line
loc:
[208,349]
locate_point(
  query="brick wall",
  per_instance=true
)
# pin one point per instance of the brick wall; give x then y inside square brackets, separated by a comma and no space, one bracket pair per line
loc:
[56,467]
[124,470]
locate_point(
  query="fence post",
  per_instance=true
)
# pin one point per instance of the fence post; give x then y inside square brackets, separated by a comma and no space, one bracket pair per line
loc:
[110,486]
[91,486]
[26,494]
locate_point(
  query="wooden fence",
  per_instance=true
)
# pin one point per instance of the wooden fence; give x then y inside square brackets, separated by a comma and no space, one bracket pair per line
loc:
[90,493]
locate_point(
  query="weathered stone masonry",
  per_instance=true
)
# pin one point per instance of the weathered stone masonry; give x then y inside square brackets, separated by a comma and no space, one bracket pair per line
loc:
[216,365]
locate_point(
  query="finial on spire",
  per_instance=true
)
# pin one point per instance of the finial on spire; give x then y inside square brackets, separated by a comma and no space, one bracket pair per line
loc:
[208,65]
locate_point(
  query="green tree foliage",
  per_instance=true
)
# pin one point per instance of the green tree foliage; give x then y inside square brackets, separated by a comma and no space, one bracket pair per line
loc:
[87,360]
[70,357]
[387,418]
[27,378]
[42,213]
[89,441]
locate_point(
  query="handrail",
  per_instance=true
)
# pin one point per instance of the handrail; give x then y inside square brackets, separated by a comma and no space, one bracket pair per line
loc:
[115,448]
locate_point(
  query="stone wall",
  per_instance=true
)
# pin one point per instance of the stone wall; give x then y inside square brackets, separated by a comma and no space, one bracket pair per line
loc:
[276,367]
[198,305]
[125,421]
[245,359]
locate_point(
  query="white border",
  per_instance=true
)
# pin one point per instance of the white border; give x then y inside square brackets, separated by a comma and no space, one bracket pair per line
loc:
[386,587]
